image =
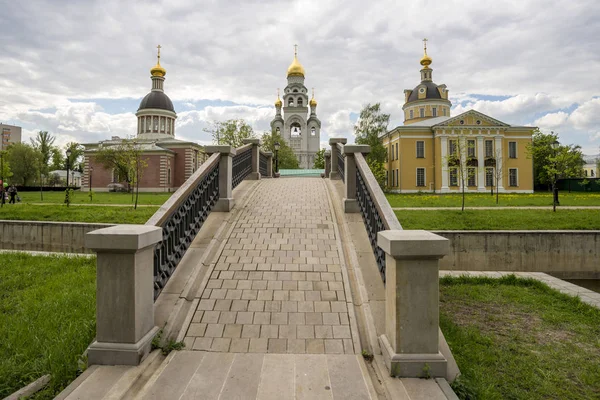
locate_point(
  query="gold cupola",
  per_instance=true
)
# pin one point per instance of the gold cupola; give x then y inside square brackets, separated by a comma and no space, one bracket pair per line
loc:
[278,101]
[158,70]
[295,68]
[313,101]
[426,60]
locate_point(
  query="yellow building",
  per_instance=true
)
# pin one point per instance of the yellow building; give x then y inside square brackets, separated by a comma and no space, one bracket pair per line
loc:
[435,152]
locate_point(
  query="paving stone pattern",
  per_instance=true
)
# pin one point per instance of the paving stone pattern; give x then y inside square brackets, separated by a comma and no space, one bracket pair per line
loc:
[277,286]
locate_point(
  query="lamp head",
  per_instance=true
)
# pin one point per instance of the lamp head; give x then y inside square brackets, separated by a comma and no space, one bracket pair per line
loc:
[68,152]
[276,145]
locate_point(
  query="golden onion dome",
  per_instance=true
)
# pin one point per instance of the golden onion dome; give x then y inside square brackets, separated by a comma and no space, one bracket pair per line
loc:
[313,101]
[278,102]
[295,69]
[426,60]
[158,70]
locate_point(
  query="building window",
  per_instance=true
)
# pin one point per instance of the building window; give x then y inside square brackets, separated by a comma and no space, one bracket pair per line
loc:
[290,102]
[386,178]
[585,172]
[452,147]
[489,148]
[295,129]
[471,178]
[169,176]
[397,178]
[299,101]
[313,132]
[278,130]
[420,176]
[470,148]
[592,172]
[421,112]
[434,111]
[512,149]
[489,176]
[444,110]
[454,176]
[512,177]
[397,151]
[162,124]
[148,124]
[420,149]
[391,153]
[412,114]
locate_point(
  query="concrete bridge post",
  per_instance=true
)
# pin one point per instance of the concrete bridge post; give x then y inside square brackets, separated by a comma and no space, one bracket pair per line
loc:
[410,345]
[269,155]
[327,157]
[226,201]
[334,156]
[350,203]
[255,174]
[124,293]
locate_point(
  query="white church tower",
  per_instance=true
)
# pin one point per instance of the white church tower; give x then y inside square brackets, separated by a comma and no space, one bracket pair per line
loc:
[299,128]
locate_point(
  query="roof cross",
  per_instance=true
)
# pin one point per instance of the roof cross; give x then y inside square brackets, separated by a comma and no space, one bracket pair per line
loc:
[425,45]
[158,47]
[295,50]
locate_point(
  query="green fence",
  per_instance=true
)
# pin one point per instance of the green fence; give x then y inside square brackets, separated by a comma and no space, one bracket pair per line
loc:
[301,172]
[579,185]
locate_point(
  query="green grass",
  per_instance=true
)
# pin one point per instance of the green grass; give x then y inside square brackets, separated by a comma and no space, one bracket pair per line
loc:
[98,198]
[499,219]
[47,319]
[486,200]
[115,215]
[518,339]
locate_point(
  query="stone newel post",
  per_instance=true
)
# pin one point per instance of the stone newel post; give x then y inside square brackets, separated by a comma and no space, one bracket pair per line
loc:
[269,155]
[350,203]
[327,163]
[125,293]
[255,174]
[334,156]
[225,202]
[412,302]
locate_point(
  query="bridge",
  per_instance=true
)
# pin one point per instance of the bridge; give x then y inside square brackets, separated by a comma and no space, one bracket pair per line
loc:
[294,287]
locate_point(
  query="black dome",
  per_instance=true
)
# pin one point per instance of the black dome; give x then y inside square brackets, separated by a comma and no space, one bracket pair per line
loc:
[432,92]
[156,99]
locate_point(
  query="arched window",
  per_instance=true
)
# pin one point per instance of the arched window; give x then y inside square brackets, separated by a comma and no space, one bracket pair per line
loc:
[295,129]
[148,124]
[278,130]
[155,124]
[299,101]
[295,90]
[313,131]
[290,102]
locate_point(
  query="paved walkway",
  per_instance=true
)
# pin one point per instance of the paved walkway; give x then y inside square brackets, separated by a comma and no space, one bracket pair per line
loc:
[277,286]
[502,208]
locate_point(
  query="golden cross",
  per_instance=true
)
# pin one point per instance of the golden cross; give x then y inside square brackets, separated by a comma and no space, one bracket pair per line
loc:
[425,45]
[277,92]
[158,47]
[295,50]
[313,89]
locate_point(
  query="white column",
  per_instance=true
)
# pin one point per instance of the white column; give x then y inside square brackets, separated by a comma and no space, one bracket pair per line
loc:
[499,155]
[444,160]
[480,164]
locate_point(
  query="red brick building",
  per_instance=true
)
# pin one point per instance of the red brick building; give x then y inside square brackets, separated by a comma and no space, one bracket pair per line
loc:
[170,161]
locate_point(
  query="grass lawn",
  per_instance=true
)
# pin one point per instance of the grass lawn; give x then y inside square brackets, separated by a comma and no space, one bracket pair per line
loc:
[499,219]
[116,215]
[98,198]
[518,339]
[47,319]
[486,200]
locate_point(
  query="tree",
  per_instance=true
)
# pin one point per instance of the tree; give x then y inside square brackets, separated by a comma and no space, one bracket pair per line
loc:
[58,159]
[498,172]
[372,123]
[126,160]
[43,143]
[24,163]
[287,158]
[565,162]
[320,159]
[75,163]
[231,132]
[460,164]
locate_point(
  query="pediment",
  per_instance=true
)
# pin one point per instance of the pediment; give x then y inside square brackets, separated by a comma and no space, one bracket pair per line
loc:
[471,118]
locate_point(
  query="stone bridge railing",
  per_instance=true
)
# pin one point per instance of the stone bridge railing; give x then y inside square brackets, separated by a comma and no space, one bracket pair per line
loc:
[408,262]
[133,259]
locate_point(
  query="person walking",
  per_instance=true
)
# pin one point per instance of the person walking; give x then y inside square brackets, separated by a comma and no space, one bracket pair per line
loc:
[12,192]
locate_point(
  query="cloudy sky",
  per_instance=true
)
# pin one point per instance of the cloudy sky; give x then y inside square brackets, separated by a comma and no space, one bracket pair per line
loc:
[80,68]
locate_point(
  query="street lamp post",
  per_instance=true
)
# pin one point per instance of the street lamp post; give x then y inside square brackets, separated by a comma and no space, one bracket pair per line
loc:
[68,153]
[91,193]
[1,176]
[276,147]
[555,201]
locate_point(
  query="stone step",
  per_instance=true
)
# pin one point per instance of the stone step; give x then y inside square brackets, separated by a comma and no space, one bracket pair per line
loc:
[211,375]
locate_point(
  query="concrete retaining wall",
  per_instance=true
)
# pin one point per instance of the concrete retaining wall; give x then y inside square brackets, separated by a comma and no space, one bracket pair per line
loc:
[565,254]
[68,237]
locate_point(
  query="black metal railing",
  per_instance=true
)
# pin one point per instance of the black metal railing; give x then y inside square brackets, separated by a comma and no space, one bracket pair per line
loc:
[242,166]
[262,165]
[182,225]
[372,219]
[341,163]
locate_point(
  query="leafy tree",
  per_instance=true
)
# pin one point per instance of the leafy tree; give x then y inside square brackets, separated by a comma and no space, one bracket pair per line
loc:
[75,158]
[498,173]
[286,156]
[565,162]
[6,171]
[320,159]
[457,159]
[43,143]
[126,159]
[58,159]
[371,124]
[24,163]
[54,180]
[231,132]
